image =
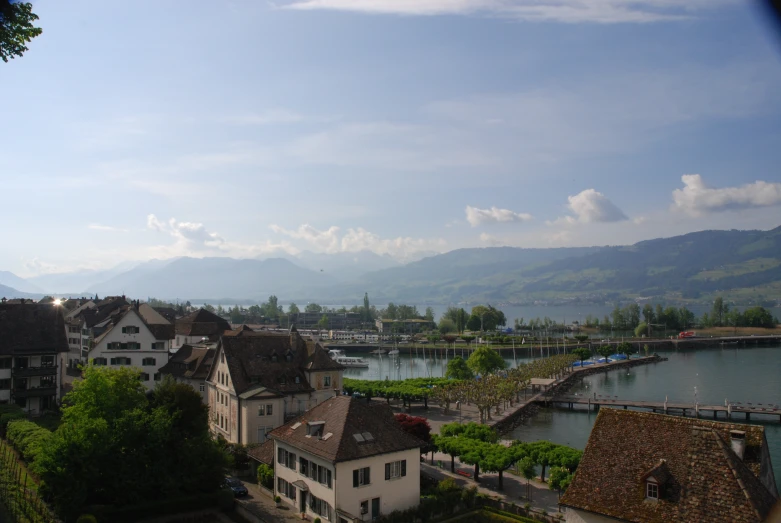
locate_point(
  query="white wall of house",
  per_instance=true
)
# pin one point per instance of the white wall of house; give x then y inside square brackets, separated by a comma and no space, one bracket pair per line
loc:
[223,403]
[319,490]
[394,494]
[151,355]
[572,515]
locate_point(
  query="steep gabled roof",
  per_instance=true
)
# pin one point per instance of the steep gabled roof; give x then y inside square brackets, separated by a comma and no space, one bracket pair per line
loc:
[167,312]
[160,331]
[31,328]
[343,418]
[263,453]
[274,361]
[103,309]
[201,323]
[700,480]
[190,362]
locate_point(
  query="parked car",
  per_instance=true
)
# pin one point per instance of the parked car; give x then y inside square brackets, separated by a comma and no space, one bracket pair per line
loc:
[236,486]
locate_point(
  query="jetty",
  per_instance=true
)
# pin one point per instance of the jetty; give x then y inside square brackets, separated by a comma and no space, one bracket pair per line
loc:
[726,411]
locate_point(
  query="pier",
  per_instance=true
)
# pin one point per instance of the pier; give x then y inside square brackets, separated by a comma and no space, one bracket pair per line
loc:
[727,411]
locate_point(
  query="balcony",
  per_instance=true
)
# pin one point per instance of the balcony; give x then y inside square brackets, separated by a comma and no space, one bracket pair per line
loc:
[35,392]
[49,370]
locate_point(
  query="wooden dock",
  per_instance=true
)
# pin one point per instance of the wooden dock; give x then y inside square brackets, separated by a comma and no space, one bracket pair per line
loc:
[728,411]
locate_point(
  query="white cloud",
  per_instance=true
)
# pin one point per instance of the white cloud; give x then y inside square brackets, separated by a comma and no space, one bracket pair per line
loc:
[696,198]
[491,240]
[107,228]
[189,235]
[477,216]
[592,206]
[327,240]
[570,11]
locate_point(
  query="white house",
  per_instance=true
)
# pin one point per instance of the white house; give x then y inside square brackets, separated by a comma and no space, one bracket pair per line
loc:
[346,460]
[131,340]
[260,380]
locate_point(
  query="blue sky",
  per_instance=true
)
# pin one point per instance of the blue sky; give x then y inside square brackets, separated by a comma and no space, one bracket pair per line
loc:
[138,130]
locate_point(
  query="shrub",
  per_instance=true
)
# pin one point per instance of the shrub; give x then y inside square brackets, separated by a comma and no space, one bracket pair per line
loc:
[28,438]
[277,499]
[266,476]
[317,520]
[223,499]
[87,518]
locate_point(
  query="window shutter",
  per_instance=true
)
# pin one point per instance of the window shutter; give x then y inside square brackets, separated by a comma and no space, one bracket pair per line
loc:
[368,476]
[124,330]
[328,478]
[387,471]
[403,467]
[355,478]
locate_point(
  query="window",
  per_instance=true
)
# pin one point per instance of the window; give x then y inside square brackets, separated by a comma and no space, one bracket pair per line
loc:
[268,410]
[303,467]
[201,387]
[286,489]
[5,384]
[396,469]
[99,361]
[222,420]
[320,507]
[285,458]
[652,490]
[148,362]
[298,380]
[261,410]
[274,358]
[73,329]
[326,381]
[361,477]
[5,363]
[132,345]
[158,345]
[47,361]
[144,376]
[130,329]
[364,507]
[120,361]
[263,433]
[157,376]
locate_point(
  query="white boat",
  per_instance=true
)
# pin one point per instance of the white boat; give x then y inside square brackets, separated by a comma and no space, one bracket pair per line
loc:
[336,353]
[346,361]
[393,352]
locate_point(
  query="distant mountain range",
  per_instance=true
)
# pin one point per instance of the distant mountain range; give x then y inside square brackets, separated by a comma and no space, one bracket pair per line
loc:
[742,265]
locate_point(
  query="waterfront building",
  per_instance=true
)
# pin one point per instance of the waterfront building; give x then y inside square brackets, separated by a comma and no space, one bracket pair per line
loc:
[404,326]
[345,461]
[336,320]
[260,380]
[645,467]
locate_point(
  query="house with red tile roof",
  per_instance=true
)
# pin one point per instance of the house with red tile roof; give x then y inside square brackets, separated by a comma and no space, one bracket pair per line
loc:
[643,467]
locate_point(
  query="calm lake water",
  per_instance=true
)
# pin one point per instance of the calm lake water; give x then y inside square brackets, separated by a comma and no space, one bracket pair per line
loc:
[744,375]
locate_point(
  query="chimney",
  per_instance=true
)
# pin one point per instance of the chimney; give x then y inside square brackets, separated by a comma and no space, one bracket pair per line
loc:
[738,438]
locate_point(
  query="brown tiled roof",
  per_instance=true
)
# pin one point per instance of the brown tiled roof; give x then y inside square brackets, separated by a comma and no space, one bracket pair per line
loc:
[201,323]
[344,417]
[275,361]
[263,452]
[161,331]
[166,312]
[703,479]
[190,362]
[102,310]
[319,359]
[31,328]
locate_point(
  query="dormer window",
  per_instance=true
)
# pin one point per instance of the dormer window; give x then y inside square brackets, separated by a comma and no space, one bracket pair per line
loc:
[274,358]
[298,380]
[289,357]
[315,428]
[651,490]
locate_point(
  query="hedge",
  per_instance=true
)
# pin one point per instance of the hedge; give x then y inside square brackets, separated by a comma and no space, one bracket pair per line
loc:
[28,438]
[8,413]
[222,499]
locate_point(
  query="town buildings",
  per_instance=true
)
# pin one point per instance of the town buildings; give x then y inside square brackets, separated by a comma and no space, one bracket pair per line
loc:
[346,460]
[259,380]
[403,326]
[198,327]
[191,365]
[33,352]
[644,467]
[137,336]
[336,320]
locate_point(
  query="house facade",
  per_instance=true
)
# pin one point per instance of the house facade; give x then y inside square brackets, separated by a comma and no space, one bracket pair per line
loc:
[33,348]
[645,467]
[131,341]
[259,380]
[346,461]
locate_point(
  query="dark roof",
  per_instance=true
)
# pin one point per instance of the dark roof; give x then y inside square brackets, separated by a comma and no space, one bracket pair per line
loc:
[103,310]
[201,323]
[190,362]
[344,417]
[166,312]
[701,478]
[263,453]
[31,328]
[161,331]
[275,361]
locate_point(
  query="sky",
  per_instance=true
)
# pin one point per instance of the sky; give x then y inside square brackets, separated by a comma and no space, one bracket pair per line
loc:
[250,128]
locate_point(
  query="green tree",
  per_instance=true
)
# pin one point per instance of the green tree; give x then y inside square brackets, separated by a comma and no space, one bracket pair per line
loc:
[16,28]
[648,313]
[236,315]
[391,312]
[458,369]
[526,468]
[559,479]
[266,476]
[582,353]
[313,307]
[605,351]
[208,307]
[473,323]
[366,312]
[293,309]
[485,360]
[625,348]
[641,329]
[323,323]
[429,314]
[446,325]
[719,311]
[489,317]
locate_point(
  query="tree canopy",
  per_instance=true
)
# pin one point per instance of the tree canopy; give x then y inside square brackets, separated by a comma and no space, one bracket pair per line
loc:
[485,360]
[16,28]
[457,368]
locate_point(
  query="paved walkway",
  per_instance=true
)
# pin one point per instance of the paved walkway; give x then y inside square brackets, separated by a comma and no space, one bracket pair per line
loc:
[264,508]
